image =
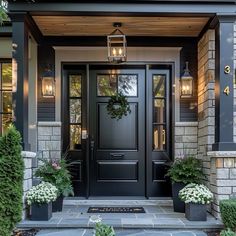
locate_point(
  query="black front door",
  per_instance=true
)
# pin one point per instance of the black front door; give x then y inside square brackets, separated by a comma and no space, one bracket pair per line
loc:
[117,147]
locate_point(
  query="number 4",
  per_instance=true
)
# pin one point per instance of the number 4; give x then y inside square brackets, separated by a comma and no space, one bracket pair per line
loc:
[226,90]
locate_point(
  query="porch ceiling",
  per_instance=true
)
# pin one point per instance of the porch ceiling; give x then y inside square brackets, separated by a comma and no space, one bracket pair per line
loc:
[132,26]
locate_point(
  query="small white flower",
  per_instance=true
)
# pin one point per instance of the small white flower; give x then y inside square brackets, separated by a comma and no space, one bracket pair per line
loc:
[95,219]
[196,193]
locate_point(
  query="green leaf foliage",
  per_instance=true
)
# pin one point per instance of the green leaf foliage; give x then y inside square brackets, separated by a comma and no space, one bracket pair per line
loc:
[186,170]
[227,232]
[104,230]
[56,172]
[11,181]
[118,106]
[228,213]
[3,12]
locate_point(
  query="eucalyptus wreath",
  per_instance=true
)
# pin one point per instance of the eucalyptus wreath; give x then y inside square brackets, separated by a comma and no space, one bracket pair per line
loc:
[118,106]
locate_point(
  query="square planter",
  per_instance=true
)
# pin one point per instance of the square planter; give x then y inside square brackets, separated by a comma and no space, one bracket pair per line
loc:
[179,206]
[196,212]
[58,204]
[41,212]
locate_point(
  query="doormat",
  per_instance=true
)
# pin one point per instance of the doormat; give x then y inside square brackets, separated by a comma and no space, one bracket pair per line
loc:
[116,210]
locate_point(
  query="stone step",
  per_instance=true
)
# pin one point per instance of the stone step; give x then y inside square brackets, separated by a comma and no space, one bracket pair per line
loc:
[137,232]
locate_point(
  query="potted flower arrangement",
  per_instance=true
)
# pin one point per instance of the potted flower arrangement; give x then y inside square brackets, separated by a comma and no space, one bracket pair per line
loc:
[182,172]
[40,199]
[196,197]
[56,172]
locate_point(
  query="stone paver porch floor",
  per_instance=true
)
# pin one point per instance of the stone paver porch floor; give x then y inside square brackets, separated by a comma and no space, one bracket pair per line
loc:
[159,215]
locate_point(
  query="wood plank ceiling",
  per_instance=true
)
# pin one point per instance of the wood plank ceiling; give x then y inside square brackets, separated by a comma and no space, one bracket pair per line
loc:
[131,26]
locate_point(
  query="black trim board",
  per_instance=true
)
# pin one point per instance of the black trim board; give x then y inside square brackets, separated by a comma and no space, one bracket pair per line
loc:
[112,8]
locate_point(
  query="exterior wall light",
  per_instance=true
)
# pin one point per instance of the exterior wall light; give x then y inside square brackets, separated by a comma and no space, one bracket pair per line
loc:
[186,83]
[116,45]
[48,84]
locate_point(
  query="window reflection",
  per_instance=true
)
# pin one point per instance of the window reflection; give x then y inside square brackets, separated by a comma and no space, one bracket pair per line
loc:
[75,85]
[106,85]
[159,138]
[75,136]
[159,112]
[5,96]
[75,110]
[159,85]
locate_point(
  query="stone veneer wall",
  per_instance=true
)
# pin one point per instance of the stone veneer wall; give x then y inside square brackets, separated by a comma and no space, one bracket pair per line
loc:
[186,138]
[222,178]
[28,161]
[206,99]
[49,139]
[235,83]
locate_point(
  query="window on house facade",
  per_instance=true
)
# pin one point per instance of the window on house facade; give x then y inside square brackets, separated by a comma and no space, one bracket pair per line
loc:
[5,95]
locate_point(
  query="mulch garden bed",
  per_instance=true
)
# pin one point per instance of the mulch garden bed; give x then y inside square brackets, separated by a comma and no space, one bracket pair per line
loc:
[29,232]
[213,233]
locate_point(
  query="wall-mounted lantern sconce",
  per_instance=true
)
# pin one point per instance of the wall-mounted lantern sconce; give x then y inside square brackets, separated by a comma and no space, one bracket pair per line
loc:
[186,83]
[48,84]
[116,45]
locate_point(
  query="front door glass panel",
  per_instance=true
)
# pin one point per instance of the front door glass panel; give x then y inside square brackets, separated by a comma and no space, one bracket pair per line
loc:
[159,112]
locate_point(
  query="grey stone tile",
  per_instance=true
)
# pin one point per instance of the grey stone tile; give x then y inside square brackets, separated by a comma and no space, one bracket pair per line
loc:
[65,232]
[140,223]
[146,215]
[167,209]
[200,233]
[170,216]
[153,209]
[214,224]
[73,223]
[172,223]
[184,233]
[39,224]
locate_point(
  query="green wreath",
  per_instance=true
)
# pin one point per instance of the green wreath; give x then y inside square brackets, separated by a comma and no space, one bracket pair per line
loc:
[118,106]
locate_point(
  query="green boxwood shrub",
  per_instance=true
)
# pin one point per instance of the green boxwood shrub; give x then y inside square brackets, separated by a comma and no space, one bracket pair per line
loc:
[11,181]
[228,213]
[227,232]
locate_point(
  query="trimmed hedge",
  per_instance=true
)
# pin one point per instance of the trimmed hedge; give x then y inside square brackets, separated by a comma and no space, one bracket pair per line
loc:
[227,232]
[228,213]
[11,181]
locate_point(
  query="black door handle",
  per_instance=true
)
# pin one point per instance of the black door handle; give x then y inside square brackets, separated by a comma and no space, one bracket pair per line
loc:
[92,145]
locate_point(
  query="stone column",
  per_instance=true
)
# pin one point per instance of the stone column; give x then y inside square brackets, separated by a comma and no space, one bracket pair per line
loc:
[222,177]
[206,99]
[49,139]
[28,175]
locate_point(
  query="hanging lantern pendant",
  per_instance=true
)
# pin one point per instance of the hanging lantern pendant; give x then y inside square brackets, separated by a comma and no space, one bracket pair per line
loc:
[116,45]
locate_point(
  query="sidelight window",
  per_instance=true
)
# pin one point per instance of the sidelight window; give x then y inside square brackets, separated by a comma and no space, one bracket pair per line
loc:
[75,110]
[159,112]
[5,95]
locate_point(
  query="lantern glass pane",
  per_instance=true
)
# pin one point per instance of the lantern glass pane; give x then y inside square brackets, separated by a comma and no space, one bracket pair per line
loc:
[186,87]
[48,86]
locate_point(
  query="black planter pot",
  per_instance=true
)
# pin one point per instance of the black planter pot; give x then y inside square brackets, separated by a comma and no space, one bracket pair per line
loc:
[196,212]
[41,212]
[179,206]
[58,204]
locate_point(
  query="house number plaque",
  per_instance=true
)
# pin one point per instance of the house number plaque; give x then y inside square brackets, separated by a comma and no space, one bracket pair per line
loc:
[227,69]
[226,90]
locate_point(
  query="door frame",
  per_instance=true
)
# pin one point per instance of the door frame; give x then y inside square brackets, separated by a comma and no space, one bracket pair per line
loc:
[161,65]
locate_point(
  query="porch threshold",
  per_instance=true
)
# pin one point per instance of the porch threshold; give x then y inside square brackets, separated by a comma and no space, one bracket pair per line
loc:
[157,216]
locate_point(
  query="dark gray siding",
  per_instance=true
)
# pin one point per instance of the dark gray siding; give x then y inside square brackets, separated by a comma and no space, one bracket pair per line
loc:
[46,106]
